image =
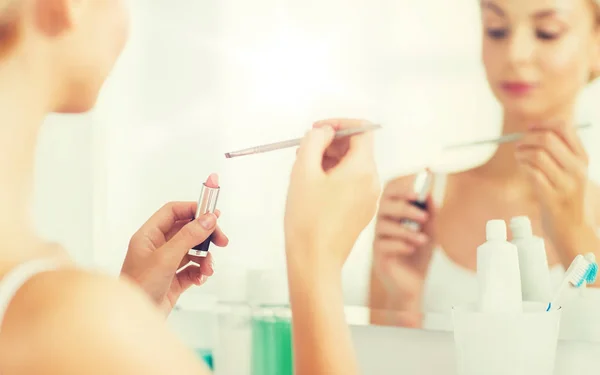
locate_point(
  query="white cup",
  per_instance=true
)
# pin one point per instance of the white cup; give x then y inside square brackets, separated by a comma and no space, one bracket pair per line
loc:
[506,343]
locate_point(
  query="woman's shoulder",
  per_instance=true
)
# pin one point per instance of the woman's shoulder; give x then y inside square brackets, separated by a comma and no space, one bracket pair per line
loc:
[72,321]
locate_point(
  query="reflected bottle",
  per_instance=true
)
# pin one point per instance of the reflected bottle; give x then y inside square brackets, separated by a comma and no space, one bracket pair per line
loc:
[271,323]
[234,336]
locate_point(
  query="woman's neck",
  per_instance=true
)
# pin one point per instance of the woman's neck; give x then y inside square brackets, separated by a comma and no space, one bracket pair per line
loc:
[22,111]
[503,164]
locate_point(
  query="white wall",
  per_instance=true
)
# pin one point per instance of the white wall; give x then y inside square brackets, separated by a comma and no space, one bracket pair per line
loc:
[63,190]
[202,78]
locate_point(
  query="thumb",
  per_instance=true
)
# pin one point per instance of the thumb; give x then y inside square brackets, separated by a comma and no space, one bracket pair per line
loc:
[314,144]
[192,234]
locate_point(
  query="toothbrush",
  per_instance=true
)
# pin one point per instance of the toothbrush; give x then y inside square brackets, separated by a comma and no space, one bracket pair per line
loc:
[592,270]
[576,275]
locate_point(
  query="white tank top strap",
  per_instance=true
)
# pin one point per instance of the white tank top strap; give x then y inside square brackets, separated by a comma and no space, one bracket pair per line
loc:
[18,276]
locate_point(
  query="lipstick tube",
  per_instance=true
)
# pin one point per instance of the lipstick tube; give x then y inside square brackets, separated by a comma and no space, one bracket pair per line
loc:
[422,186]
[206,203]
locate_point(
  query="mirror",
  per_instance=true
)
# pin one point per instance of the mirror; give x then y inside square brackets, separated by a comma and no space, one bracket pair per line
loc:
[202,78]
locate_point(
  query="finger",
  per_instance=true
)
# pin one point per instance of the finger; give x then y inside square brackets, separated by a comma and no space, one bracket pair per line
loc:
[539,180]
[167,215]
[219,238]
[544,163]
[401,188]
[190,276]
[388,246]
[553,145]
[175,228]
[401,209]
[313,146]
[568,134]
[207,265]
[193,233]
[357,144]
[395,230]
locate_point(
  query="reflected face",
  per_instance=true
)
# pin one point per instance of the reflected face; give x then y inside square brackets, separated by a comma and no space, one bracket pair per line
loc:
[539,54]
[90,51]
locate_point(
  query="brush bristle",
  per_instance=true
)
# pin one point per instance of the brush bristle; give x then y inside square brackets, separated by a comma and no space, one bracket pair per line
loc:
[228,155]
[592,273]
[579,274]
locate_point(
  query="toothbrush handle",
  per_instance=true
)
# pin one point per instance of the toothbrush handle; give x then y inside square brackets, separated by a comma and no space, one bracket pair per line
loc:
[559,292]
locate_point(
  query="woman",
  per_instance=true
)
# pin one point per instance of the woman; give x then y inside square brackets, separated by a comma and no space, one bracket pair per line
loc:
[57,319]
[538,56]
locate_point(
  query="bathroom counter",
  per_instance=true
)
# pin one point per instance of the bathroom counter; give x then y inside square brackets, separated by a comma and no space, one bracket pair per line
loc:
[387,350]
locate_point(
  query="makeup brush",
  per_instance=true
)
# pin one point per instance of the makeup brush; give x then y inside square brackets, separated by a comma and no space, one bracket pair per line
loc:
[296,142]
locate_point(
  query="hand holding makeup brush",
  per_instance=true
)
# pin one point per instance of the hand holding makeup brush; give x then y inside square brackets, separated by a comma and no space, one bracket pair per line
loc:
[333,192]
[556,162]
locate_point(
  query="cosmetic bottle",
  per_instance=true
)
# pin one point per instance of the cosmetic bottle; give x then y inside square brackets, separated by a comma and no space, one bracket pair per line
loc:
[533,262]
[498,272]
[271,323]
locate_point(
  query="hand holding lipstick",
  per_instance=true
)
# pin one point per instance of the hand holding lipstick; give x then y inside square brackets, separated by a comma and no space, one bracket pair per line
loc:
[160,247]
[556,162]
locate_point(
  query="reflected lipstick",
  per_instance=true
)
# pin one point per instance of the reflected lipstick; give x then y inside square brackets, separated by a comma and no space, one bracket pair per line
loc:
[206,203]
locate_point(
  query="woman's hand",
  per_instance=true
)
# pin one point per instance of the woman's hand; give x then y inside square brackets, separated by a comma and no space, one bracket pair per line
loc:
[159,248]
[557,164]
[401,255]
[332,196]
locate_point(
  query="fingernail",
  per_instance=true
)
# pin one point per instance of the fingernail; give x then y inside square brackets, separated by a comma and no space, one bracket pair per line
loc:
[208,221]
[202,279]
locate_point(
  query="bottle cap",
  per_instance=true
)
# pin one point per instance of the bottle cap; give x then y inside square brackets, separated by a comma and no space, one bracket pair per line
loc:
[495,230]
[520,227]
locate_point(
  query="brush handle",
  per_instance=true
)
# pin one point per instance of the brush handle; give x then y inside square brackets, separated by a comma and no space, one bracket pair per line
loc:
[558,293]
[296,142]
[507,138]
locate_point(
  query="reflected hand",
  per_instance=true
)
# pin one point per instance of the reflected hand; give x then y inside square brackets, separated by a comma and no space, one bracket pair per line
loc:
[160,247]
[332,195]
[557,165]
[401,256]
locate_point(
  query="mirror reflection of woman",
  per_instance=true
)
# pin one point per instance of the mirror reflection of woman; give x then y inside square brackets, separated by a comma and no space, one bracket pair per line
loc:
[538,55]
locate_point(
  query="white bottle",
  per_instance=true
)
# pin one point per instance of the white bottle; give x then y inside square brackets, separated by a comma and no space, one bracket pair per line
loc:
[533,261]
[498,272]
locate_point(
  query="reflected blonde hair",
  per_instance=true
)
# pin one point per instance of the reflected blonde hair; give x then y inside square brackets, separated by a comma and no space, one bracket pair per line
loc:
[596,4]
[8,25]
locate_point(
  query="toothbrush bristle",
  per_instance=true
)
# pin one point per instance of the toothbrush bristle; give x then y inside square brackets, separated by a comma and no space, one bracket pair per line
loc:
[579,275]
[592,273]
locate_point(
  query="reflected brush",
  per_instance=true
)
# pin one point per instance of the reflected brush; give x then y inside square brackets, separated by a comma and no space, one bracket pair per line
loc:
[507,138]
[296,142]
